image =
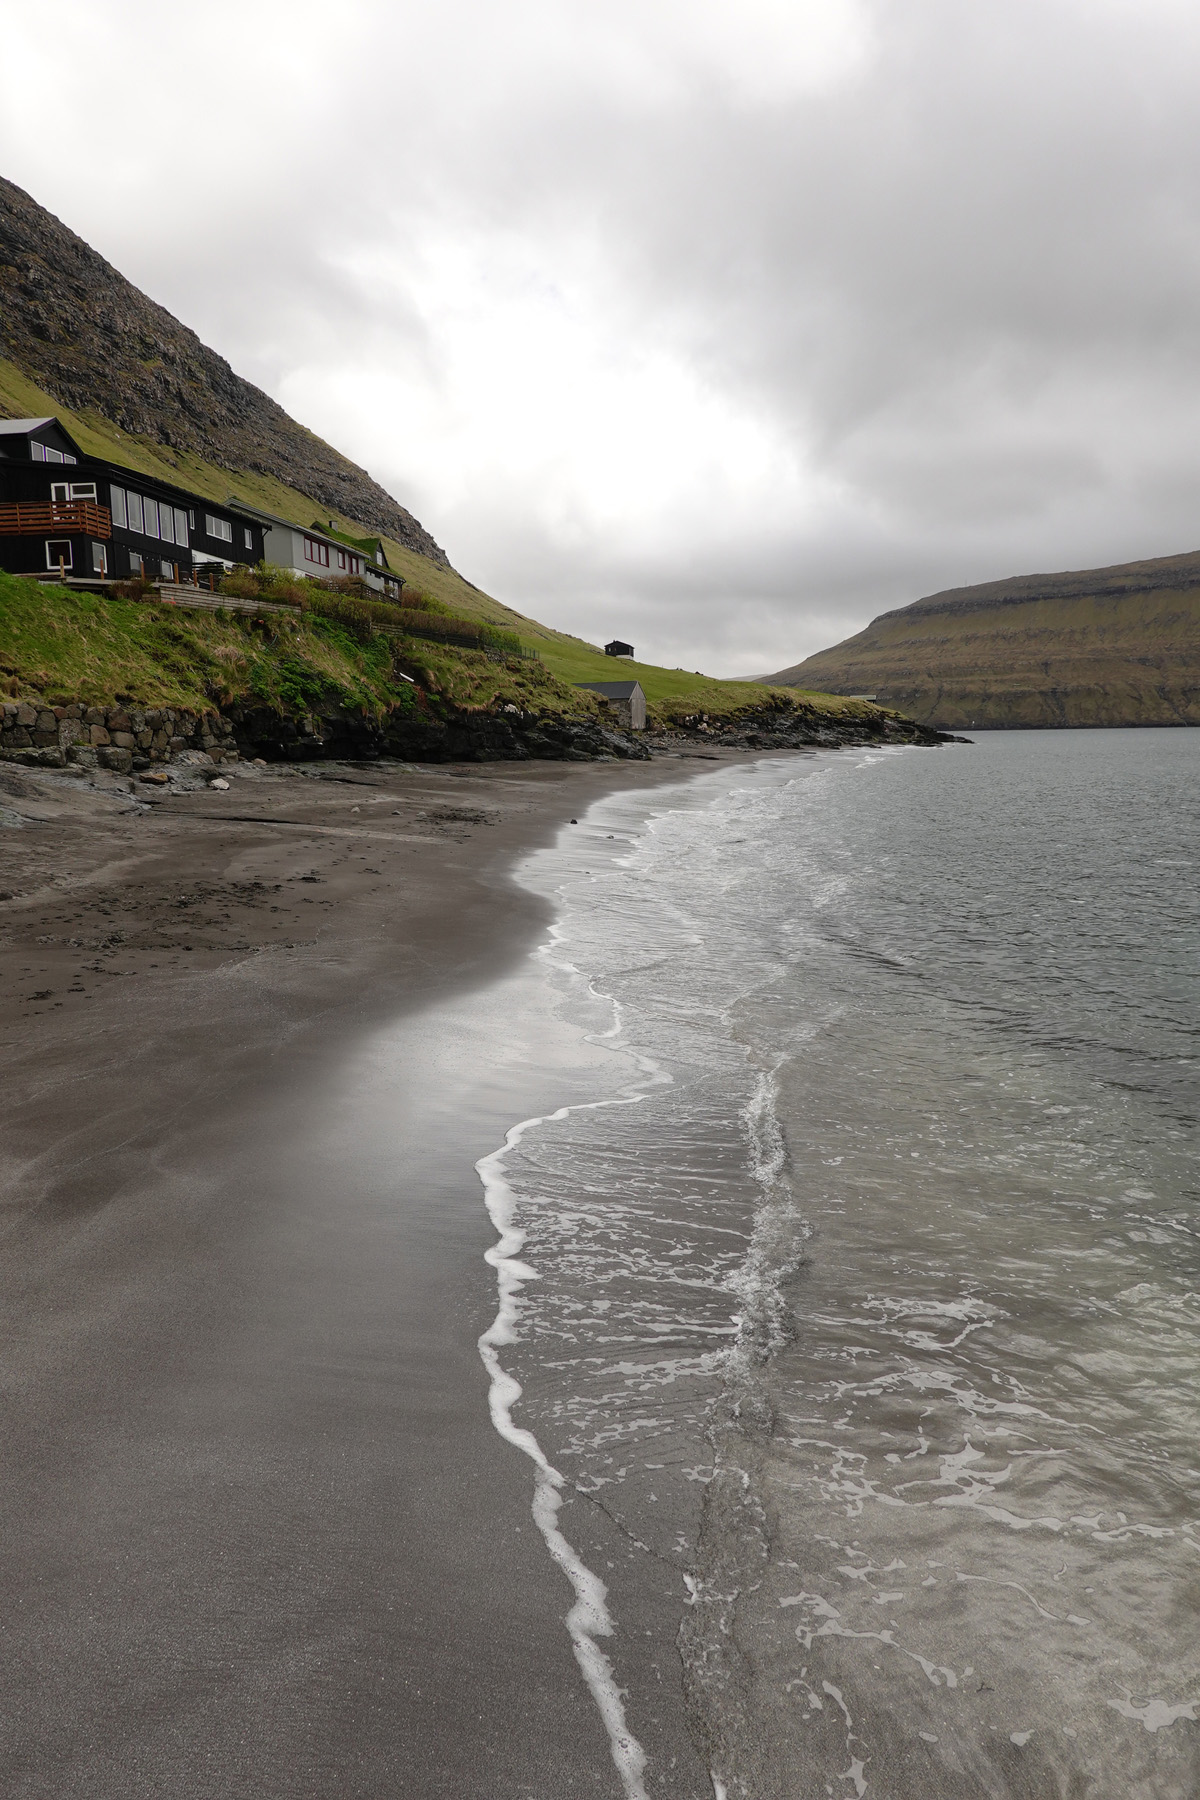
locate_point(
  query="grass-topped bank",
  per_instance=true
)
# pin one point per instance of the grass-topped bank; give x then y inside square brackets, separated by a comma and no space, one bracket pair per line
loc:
[336,675]
[60,645]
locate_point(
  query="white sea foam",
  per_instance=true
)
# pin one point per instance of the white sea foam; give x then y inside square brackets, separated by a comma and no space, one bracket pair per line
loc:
[588,1620]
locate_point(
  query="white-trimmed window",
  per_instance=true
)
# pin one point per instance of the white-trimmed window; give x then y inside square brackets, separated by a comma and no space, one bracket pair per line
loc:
[218,528]
[134,504]
[135,562]
[37,451]
[53,455]
[315,552]
[61,492]
[58,553]
[150,517]
[99,559]
[181,527]
[116,503]
[69,459]
[247,537]
[168,570]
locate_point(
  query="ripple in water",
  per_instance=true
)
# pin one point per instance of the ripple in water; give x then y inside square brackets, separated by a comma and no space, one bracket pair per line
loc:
[863,1310]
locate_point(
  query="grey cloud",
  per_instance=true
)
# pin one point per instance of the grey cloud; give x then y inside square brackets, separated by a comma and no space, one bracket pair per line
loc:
[960,283]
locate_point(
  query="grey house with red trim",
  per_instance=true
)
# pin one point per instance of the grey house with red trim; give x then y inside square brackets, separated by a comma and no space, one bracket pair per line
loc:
[64,513]
[329,555]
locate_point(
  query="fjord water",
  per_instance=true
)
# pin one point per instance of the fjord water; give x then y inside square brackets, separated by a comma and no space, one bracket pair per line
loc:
[856,1314]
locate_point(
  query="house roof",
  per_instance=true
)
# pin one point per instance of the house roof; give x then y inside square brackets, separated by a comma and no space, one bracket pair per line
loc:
[27,427]
[612,690]
[338,539]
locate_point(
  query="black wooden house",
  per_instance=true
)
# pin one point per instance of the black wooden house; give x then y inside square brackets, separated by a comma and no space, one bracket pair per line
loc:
[66,514]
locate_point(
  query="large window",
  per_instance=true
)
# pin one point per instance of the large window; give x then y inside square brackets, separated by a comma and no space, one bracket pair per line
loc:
[218,528]
[62,491]
[180,527]
[99,559]
[58,553]
[116,501]
[315,552]
[149,517]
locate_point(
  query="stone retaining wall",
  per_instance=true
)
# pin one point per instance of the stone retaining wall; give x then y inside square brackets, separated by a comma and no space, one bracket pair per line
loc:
[122,738]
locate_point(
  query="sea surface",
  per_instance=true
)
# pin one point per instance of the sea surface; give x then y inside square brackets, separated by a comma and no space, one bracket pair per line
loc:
[860,1302]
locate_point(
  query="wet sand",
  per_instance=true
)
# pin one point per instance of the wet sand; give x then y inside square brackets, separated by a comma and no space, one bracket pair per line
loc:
[260,1537]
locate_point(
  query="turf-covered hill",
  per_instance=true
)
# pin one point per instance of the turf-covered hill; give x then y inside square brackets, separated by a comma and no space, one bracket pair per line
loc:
[1116,646]
[137,388]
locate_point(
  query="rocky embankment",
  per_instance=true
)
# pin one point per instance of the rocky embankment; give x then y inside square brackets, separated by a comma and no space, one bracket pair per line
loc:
[130,739]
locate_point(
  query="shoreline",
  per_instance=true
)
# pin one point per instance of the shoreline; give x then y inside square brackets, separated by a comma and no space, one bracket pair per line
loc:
[264,1528]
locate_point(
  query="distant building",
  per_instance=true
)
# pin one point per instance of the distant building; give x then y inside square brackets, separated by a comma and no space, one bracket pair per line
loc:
[617,648]
[65,513]
[624,698]
[325,554]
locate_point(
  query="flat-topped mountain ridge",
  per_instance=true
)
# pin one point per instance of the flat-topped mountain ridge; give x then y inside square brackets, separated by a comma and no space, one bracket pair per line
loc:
[1146,577]
[96,344]
[1113,646]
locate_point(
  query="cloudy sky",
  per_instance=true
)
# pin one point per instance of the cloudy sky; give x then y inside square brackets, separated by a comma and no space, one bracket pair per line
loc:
[719,324]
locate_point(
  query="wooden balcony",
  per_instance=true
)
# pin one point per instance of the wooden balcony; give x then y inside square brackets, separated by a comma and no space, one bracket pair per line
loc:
[60,518]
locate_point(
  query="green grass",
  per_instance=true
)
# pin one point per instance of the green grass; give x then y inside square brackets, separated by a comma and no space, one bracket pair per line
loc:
[59,645]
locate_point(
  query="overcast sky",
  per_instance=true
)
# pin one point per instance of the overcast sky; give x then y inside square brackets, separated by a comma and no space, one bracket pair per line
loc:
[721,325]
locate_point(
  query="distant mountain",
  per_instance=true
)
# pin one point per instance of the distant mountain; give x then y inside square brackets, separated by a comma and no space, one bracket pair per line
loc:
[1118,646]
[95,344]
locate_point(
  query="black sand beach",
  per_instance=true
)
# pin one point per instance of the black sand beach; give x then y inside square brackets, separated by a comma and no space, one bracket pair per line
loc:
[261,1538]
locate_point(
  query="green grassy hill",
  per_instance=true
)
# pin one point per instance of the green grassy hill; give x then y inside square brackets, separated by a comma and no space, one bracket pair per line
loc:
[1093,647]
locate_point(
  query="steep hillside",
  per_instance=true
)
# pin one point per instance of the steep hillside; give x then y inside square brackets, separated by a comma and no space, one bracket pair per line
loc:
[93,342]
[1116,646]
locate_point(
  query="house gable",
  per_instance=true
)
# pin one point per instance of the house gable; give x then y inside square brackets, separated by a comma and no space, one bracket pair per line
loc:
[38,440]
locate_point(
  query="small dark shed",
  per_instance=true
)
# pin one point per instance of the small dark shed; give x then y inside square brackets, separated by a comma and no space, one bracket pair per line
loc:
[617,648]
[625,698]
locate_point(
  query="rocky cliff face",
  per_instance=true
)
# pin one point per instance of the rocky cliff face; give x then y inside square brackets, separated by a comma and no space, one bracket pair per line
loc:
[77,328]
[1115,646]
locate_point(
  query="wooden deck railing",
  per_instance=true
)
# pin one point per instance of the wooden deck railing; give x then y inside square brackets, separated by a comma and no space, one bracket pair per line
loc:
[19,520]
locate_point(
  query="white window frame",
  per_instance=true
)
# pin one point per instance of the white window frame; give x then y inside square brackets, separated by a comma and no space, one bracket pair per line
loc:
[221,529]
[99,559]
[67,561]
[116,504]
[181,526]
[147,530]
[37,451]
